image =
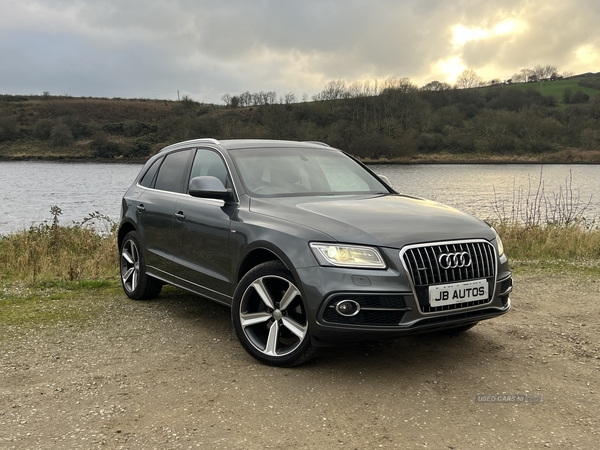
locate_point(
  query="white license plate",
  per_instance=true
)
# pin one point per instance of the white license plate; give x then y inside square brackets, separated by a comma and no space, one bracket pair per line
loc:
[450,294]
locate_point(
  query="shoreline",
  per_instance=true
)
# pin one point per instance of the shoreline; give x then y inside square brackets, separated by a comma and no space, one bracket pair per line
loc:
[566,156]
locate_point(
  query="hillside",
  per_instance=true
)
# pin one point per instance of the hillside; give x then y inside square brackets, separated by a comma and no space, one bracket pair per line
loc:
[557,121]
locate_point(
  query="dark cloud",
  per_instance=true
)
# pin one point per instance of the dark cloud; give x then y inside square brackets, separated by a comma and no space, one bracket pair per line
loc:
[207,48]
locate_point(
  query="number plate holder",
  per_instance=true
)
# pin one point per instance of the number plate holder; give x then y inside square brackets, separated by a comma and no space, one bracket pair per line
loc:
[451,294]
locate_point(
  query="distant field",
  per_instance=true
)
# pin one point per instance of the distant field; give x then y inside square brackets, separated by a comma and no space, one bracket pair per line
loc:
[557,88]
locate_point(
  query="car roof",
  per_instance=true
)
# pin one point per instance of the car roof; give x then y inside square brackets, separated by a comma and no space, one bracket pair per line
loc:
[235,144]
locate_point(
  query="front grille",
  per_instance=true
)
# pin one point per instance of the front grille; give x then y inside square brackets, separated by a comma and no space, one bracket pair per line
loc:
[375,310]
[424,268]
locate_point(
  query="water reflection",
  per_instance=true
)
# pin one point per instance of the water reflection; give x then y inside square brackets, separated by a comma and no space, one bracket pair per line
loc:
[478,188]
[29,189]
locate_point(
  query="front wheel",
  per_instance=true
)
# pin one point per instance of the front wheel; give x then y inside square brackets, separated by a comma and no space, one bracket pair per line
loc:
[269,316]
[136,283]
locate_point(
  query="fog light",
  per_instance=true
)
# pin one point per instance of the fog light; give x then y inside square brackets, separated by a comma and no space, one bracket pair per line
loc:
[347,308]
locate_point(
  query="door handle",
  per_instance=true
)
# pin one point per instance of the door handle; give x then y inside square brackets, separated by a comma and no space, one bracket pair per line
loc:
[180,215]
[141,207]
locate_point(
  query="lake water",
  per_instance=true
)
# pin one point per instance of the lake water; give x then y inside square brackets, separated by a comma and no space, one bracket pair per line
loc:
[28,189]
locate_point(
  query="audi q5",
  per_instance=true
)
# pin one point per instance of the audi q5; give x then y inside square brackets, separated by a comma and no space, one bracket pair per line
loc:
[306,245]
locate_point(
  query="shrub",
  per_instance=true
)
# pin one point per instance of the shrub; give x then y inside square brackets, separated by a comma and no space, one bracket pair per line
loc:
[431,143]
[105,148]
[580,97]
[43,129]
[61,136]
[142,146]
[9,128]
[135,128]
[114,128]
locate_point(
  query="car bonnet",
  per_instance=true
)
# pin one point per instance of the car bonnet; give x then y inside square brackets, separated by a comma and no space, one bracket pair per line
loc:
[383,220]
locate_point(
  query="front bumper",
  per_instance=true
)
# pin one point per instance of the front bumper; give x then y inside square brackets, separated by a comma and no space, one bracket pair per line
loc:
[388,305]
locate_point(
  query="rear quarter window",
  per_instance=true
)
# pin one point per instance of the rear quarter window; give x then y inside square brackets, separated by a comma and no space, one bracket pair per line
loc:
[172,173]
[148,177]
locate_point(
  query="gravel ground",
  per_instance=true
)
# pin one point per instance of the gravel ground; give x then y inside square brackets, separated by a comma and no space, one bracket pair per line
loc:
[170,374]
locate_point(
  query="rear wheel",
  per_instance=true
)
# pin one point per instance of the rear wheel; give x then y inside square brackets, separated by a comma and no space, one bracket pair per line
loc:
[136,283]
[269,316]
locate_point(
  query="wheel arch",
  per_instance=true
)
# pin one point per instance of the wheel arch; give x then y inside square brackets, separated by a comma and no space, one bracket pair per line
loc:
[123,230]
[254,258]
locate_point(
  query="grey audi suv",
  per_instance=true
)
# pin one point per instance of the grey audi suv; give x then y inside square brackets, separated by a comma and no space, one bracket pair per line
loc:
[306,245]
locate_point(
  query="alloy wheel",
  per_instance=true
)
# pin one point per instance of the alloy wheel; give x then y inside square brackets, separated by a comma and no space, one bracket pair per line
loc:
[130,265]
[272,316]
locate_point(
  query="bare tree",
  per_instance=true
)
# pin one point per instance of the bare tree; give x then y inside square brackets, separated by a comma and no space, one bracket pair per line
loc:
[468,79]
[354,90]
[226,98]
[334,90]
[289,98]
[544,72]
[518,77]
[436,86]
[527,74]
[368,90]
[269,98]
[245,99]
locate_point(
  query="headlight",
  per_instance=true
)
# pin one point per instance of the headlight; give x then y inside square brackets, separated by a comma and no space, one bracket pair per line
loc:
[347,256]
[499,241]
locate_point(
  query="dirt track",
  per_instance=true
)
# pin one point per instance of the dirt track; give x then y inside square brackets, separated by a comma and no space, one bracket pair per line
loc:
[170,374]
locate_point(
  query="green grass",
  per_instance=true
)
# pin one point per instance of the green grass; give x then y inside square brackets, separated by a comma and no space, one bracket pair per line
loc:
[25,308]
[557,88]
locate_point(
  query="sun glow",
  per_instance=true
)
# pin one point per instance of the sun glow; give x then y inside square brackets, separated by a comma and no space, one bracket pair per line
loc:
[462,34]
[451,67]
[587,54]
[505,27]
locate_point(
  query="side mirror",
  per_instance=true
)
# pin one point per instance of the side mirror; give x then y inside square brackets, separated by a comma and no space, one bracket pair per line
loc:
[209,187]
[385,180]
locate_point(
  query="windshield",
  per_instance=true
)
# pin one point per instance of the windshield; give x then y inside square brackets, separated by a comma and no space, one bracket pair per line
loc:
[301,171]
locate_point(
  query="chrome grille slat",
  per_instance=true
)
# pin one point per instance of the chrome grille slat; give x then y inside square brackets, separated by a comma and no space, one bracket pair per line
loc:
[422,263]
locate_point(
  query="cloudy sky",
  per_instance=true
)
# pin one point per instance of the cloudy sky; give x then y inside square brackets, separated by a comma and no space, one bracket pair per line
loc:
[206,48]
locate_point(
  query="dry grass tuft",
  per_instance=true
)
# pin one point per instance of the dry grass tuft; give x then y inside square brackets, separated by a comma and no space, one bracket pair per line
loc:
[51,252]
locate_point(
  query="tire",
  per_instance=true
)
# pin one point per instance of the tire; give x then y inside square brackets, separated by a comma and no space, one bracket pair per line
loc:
[136,283]
[269,316]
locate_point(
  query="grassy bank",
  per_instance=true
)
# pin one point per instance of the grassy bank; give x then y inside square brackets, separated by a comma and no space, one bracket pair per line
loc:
[77,257]
[50,253]
[565,156]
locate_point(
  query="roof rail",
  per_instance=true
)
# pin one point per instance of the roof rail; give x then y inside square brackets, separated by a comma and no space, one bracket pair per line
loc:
[211,140]
[195,141]
[318,143]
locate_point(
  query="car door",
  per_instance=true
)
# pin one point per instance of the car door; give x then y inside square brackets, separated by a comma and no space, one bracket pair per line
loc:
[155,208]
[201,233]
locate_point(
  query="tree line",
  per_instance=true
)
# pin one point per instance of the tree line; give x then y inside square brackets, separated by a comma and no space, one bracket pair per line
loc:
[393,118]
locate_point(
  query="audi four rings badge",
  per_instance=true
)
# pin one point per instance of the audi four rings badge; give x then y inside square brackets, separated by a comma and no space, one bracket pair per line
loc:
[454,260]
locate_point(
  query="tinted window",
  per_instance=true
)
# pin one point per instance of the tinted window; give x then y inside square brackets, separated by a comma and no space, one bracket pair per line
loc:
[172,174]
[209,163]
[149,175]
